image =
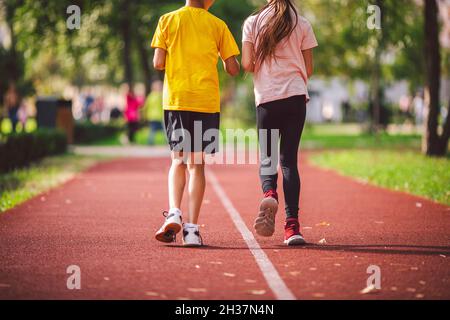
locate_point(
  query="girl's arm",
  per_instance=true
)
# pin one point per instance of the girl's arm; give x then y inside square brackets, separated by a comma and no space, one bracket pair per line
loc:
[248,56]
[159,59]
[231,66]
[309,62]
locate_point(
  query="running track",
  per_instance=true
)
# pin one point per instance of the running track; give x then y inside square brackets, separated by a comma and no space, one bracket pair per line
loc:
[103,220]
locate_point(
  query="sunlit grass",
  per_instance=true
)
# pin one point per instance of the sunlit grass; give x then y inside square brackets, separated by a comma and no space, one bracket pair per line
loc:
[20,185]
[407,171]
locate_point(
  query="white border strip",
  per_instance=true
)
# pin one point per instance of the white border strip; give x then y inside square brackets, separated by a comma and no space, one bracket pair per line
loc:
[268,270]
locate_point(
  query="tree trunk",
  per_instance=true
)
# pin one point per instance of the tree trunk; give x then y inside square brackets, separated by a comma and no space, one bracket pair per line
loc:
[125,27]
[376,99]
[144,56]
[13,64]
[376,77]
[433,144]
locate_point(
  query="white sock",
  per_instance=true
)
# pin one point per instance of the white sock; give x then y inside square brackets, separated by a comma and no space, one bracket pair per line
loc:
[191,225]
[175,210]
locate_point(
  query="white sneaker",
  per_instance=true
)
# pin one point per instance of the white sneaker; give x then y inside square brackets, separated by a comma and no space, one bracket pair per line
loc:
[173,224]
[192,237]
[295,240]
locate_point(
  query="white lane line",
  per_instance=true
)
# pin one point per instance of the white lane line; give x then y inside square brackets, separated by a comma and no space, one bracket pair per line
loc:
[268,270]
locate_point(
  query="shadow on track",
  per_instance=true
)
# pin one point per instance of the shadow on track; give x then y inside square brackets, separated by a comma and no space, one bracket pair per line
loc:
[371,248]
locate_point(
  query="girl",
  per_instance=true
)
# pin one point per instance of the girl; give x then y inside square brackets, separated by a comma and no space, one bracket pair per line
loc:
[277,48]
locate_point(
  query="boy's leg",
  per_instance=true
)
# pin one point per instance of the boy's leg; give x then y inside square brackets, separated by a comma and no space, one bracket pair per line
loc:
[197,183]
[177,180]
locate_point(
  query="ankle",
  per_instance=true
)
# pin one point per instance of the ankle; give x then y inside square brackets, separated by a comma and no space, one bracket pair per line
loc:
[291,223]
[271,194]
[175,211]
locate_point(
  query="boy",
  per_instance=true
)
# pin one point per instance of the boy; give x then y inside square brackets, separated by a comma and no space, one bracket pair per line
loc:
[188,43]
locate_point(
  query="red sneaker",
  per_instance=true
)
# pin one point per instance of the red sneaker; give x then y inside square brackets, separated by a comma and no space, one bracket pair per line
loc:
[292,235]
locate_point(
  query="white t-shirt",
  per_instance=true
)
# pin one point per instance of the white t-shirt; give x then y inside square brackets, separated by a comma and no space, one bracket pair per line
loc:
[286,75]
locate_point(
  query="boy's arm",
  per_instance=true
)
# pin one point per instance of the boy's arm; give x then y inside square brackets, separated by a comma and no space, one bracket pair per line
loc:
[159,59]
[248,56]
[309,61]
[231,66]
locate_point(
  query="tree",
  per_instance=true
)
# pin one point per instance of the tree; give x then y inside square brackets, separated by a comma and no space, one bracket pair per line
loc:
[433,143]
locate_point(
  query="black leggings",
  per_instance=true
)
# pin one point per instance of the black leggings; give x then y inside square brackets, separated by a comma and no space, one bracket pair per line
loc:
[288,116]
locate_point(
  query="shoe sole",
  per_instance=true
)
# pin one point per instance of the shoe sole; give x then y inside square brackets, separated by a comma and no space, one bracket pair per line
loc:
[295,241]
[191,245]
[167,235]
[267,209]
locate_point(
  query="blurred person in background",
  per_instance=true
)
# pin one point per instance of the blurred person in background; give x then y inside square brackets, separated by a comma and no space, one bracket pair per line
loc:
[22,115]
[419,108]
[153,110]
[88,101]
[12,104]
[133,103]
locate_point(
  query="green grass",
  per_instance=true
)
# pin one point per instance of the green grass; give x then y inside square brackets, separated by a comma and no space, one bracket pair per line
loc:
[312,141]
[23,184]
[407,171]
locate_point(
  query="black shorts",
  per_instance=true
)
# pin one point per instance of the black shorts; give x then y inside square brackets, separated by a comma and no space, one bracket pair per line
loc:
[189,131]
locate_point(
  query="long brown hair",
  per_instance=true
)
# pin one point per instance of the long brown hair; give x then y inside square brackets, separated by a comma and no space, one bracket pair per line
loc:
[279,26]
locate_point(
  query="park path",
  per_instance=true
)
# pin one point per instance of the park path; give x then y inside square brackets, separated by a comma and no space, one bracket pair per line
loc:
[103,221]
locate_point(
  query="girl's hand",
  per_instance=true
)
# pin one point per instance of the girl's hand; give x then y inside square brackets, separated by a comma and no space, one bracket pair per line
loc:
[248,57]
[309,62]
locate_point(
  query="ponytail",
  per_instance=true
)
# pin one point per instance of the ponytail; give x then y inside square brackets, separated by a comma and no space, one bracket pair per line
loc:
[279,26]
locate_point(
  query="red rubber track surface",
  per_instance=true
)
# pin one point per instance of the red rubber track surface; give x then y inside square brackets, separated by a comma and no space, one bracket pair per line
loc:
[104,220]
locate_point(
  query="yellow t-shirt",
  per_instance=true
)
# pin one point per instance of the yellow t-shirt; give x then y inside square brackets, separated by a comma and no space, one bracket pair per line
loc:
[193,39]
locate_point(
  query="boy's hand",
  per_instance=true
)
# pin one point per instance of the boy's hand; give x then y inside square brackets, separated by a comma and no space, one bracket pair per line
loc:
[231,66]
[159,59]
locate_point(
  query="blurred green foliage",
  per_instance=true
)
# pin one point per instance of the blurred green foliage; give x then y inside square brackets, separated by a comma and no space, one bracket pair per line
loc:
[93,54]
[21,149]
[88,133]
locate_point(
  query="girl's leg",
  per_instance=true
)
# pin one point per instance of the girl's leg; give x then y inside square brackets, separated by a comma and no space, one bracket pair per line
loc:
[291,131]
[267,121]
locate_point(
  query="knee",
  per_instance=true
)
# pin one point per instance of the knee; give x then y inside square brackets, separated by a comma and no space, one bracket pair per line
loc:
[178,163]
[196,168]
[288,163]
